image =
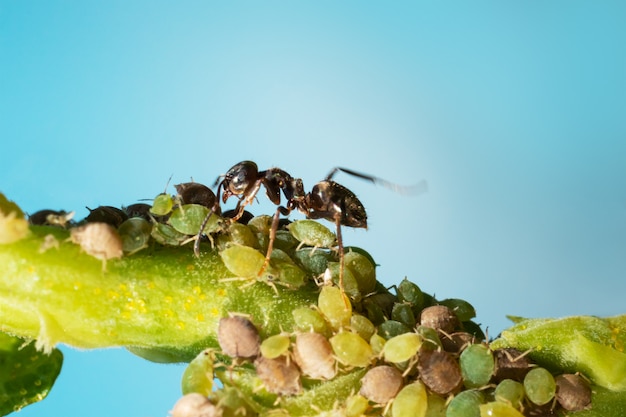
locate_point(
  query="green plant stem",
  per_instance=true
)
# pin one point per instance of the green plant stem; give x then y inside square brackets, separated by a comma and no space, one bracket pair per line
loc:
[162,300]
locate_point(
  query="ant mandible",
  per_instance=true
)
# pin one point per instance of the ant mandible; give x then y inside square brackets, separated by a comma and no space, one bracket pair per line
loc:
[327,200]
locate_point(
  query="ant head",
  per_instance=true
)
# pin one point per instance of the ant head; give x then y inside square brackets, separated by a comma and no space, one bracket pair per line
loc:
[239,179]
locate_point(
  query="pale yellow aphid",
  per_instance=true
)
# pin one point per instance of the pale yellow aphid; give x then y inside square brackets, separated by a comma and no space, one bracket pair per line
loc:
[99,240]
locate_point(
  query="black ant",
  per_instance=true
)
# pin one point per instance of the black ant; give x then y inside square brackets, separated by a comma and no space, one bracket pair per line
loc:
[327,200]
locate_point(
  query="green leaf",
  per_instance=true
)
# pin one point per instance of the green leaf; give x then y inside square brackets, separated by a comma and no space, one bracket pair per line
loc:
[26,374]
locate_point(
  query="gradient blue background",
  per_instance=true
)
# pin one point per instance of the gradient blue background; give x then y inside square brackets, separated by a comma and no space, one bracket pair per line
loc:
[514,112]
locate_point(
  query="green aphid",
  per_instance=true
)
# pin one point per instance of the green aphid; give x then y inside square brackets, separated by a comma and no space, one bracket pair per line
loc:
[411,401]
[312,233]
[463,310]
[135,234]
[404,314]
[477,365]
[188,219]
[243,261]
[275,346]
[310,320]
[162,205]
[198,376]
[167,235]
[391,328]
[351,350]
[314,261]
[363,270]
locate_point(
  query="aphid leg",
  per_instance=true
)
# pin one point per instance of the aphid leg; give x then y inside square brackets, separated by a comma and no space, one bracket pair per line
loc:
[340,249]
[196,244]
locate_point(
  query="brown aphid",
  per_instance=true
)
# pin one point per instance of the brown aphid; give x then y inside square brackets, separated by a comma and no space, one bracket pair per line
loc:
[196,193]
[238,337]
[439,371]
[572,392]
[510,363]
[195,405]
[314,355]
[106,214]
[456,342]
[99,240]
[279,375]
[439,317]
[381,384]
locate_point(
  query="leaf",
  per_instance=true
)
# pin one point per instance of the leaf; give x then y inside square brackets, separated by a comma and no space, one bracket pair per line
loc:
[26,374]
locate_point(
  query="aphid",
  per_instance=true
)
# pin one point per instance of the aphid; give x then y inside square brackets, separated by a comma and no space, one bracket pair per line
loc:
[439,317]
[196,193]
[510,392]
[275,346]
[404,314]
[477,365]
[501,409]
[540,386]
[280,376]
[195,405]
[362,326]
[463,310]
[141,210]
[327,200]
[198,376]
[238,337]
[99,240]
[310,320]
[411,401]
[456,341]
[314,355]
[49,242]
[573,392]
[333,304]
[351,350]
[381,384]
[135,233]
[401,348]
[51,218]
[466,404]
[510,364]
[356,406]
[106,214]
[439,371]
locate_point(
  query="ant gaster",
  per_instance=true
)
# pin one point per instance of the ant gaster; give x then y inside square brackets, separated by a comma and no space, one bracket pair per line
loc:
[327,200]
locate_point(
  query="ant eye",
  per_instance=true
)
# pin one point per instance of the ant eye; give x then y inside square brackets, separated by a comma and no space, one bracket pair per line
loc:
[412,400]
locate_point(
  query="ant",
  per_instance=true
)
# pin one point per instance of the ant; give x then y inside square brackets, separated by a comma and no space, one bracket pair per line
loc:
[327,200]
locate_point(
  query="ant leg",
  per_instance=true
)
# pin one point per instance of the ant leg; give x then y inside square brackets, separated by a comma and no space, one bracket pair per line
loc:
[340,248]
[196,244]
[270,244]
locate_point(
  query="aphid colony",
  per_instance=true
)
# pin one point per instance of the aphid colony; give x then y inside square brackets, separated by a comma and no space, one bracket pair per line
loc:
[414,356]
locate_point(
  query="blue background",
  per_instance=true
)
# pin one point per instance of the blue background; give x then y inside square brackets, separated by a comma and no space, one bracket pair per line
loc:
[514,112]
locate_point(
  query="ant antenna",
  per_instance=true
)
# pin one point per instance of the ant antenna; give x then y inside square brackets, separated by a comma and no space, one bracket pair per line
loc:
[419,188]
